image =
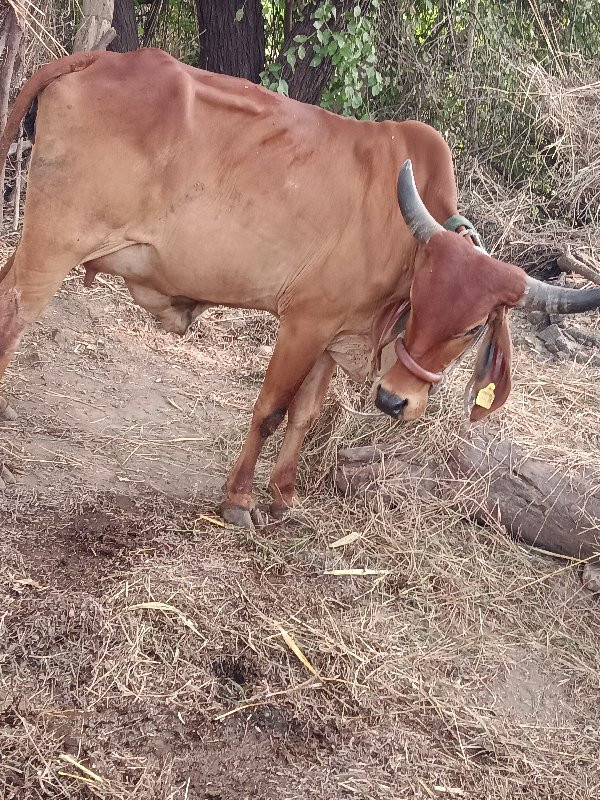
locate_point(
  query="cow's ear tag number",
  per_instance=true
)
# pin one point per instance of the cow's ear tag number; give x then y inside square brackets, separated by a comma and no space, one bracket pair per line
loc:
[485,397]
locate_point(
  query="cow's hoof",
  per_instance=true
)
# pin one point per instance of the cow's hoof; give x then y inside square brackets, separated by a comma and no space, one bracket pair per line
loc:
[277,511]
[239,517]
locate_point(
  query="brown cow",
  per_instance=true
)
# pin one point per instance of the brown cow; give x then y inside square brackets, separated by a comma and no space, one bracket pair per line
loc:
[200,189]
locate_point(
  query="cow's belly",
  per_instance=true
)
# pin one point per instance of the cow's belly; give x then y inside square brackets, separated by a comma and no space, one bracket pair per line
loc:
[193,272]
[135,262]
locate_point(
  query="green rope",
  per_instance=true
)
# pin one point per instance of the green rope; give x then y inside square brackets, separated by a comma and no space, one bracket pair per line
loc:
[458,221]
[452,223]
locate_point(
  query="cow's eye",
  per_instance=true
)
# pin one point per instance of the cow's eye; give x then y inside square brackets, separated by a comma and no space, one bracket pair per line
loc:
[470,333]
[474,331]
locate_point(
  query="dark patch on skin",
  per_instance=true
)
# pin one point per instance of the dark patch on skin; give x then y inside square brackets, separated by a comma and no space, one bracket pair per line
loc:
[489,355]
[270,424]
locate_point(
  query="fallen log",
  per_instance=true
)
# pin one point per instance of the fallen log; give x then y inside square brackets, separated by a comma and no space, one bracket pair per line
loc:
[536,501]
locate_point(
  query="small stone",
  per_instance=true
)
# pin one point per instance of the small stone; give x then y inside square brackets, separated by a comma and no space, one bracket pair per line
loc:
[591,577]
[32,358]
[8,414]
[6,475]
[61,337]
[551,335]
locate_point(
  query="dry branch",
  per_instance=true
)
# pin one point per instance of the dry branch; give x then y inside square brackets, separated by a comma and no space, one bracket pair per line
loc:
[534,500]
[11,36]
[95,25]
[105,39]
[568,263]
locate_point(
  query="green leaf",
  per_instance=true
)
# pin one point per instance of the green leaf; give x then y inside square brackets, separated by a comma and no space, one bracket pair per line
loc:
[301,52]
[282,87]
[239,14]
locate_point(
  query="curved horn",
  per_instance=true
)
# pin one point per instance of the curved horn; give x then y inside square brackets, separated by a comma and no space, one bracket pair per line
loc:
[556,299]
[419,220]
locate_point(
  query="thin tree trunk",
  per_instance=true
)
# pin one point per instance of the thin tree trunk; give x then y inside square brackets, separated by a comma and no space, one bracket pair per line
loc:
[125,24]
[467,69]
[304,82]
[230,45]
[96,25]
[18,178]
[287,18]
[11,35]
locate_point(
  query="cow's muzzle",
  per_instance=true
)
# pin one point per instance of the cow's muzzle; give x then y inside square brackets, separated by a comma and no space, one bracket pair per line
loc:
[389,403]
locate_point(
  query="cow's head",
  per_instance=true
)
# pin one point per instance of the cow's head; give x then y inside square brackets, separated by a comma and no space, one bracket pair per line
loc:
[460,294]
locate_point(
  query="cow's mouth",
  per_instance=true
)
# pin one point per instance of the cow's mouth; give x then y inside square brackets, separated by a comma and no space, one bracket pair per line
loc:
[390,403]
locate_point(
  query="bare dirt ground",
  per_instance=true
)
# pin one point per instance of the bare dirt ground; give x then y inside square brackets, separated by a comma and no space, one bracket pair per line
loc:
[141,645]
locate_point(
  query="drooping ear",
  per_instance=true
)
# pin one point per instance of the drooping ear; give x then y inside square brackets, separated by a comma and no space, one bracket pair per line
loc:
[387,325]
[490,385]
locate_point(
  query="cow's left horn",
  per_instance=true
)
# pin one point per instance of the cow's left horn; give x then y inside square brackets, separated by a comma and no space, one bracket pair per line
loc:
[416,216]
[556,299]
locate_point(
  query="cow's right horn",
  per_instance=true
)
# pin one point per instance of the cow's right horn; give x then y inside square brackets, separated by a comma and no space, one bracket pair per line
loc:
[557,299]
[416,216]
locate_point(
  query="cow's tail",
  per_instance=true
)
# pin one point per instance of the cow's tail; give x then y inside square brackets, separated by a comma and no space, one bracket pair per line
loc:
[36,84]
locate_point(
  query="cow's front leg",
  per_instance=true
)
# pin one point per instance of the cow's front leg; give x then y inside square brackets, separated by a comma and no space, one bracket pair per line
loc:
[297,350]
[303,411]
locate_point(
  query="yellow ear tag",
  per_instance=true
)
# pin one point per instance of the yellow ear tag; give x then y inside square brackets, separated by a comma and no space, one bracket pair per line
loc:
[485,397]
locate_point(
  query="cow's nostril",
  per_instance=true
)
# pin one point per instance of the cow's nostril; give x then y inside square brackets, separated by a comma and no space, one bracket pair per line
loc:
[389,403]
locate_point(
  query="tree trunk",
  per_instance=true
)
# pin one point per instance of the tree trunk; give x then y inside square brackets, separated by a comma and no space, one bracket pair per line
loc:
[230,45]
[11,34]
[94,33]
[304,82]
[543,506]
[125,25]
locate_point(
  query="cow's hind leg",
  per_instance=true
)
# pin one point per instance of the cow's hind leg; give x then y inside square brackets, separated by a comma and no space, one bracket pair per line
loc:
[9,329]
[27,283]
[303,411]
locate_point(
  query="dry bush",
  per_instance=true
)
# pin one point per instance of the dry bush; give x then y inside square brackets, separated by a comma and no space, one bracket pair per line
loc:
[524,132]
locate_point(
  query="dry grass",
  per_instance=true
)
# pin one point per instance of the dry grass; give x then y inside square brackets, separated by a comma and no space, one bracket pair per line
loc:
[143,655]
